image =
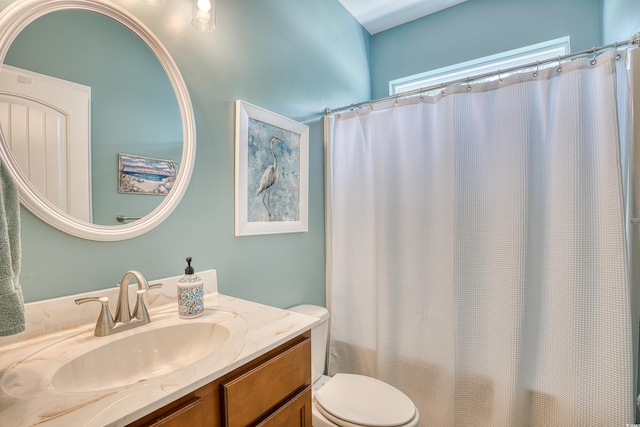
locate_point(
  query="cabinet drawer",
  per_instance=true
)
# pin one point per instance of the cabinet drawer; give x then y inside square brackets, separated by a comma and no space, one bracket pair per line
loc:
[188,415]
[258,391]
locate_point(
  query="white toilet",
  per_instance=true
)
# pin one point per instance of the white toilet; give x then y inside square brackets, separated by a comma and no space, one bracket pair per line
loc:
[347,400]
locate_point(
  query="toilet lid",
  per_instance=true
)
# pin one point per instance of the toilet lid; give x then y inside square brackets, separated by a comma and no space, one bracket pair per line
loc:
[365,401]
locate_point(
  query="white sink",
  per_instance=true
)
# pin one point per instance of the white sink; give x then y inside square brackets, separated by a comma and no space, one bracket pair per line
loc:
[139,356]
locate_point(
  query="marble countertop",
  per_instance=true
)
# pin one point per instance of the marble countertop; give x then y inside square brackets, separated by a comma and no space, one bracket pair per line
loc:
[57,328]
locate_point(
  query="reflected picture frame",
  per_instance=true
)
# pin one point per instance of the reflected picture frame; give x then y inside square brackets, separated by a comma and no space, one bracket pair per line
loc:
[145,175]
[271,172]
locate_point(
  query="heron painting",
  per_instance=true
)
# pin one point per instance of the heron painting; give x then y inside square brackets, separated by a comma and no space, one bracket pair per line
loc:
[269,178]
[274,173]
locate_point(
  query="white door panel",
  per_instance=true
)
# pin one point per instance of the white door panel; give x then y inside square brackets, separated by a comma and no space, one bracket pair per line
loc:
[47,124]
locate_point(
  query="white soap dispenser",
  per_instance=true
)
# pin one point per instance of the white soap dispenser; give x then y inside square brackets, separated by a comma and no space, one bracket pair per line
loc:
[190,294]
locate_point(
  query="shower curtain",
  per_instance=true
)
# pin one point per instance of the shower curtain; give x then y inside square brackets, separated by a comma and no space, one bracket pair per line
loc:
[476,252]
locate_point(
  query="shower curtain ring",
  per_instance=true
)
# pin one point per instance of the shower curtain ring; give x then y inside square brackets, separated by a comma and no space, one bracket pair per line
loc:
[537,67]
[499,75]
[615,49]
[421,94]
[396,101]
[468,84]
[559,69]
[593,60]
[441,89]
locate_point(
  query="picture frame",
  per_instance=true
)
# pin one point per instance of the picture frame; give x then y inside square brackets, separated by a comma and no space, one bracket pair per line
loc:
[145,175]
[272,172]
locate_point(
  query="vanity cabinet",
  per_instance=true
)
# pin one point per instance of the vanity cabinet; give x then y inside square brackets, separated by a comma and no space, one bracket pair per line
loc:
[272,390]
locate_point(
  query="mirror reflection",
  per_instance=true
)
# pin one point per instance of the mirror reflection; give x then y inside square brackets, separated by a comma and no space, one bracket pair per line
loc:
[132,110]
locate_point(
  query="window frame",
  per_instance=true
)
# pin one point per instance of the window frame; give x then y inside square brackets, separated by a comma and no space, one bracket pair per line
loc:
[493,63]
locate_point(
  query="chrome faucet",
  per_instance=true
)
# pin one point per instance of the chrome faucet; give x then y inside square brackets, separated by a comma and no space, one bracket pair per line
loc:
[124,319]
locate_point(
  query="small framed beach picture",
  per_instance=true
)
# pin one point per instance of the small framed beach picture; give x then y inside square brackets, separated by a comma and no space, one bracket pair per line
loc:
[145,175]
[272,172]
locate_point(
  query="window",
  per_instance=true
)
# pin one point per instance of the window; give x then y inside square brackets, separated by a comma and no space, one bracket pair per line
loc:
[526,55]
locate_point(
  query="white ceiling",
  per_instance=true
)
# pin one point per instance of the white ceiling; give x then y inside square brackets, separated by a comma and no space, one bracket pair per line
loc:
[380,15]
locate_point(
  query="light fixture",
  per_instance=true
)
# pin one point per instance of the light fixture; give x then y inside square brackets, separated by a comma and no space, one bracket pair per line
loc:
[204,15]
[155,2]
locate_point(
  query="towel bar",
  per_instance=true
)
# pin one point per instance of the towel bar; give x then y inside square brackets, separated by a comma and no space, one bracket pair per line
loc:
[122,218]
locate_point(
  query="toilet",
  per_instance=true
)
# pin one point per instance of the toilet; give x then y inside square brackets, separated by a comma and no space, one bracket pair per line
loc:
[348,400]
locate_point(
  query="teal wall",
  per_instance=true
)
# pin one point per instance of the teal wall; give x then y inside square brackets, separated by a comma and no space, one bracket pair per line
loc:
[291,57]
[620,20]
[478,28]
[133,107]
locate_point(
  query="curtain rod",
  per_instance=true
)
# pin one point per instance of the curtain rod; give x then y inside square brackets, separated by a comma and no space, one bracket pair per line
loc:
[634,40]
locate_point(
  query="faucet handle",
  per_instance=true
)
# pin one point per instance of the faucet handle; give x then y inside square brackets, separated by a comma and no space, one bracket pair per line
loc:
[140,311]
[105,323]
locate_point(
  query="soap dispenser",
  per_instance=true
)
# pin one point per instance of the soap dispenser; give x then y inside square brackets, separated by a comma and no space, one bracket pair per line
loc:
[190,294]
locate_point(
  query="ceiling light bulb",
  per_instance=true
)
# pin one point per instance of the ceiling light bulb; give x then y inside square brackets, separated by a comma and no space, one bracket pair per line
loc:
[204,15]
[204,5]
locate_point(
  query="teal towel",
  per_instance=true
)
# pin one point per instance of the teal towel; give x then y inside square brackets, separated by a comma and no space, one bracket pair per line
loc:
[11,301]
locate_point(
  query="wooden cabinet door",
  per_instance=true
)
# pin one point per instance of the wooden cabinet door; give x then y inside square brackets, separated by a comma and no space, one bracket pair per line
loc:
[296,413]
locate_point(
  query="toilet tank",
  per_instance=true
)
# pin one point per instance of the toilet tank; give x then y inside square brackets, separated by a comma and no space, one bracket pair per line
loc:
[319,334]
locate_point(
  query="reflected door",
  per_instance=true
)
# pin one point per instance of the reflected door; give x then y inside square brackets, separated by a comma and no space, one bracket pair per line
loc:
[46,124]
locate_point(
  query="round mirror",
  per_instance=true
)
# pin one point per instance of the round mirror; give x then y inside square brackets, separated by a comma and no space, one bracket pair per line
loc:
[140,121]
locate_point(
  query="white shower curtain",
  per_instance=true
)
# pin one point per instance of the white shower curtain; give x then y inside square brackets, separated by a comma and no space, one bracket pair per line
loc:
[476,249]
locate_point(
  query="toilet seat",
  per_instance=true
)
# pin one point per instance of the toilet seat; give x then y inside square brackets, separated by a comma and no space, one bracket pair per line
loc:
[350,400]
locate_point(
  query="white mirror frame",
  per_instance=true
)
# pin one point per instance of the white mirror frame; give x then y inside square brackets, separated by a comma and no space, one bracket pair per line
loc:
[13,20]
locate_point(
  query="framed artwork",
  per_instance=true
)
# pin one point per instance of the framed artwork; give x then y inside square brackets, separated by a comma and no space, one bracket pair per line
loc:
[272,172]
[145,175]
